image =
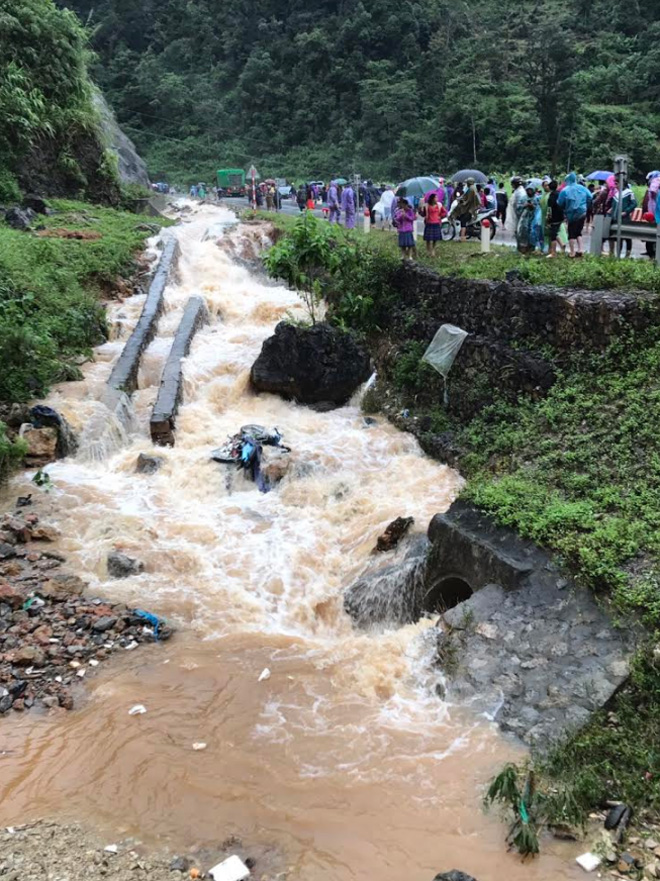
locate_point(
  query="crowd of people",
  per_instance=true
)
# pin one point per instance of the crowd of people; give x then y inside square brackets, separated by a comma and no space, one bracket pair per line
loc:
[545,215]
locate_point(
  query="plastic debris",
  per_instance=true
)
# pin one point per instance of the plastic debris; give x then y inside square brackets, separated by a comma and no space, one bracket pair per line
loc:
[132,645]
[588,861]
[199,745]
[231,869]
[244,450]
[443,349]
[93,662]
[81,673]
[137,710]
[264,675]
[111,848]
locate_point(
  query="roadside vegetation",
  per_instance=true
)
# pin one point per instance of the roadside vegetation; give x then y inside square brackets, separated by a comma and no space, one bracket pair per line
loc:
[577,472]
[50,290]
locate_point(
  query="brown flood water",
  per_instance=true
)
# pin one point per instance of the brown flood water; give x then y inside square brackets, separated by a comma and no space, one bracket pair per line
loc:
[345,760]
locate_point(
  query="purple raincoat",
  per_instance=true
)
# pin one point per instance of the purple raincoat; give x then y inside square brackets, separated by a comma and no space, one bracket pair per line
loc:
[348,206]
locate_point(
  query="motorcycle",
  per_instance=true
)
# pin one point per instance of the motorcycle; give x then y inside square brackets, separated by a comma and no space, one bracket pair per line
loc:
[474,228]
[449,229]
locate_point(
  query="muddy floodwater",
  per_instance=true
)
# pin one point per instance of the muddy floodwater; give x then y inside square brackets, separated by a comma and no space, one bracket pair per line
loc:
[345,760]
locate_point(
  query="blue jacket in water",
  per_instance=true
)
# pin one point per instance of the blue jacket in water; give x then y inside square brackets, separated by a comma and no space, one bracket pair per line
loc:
[574,198]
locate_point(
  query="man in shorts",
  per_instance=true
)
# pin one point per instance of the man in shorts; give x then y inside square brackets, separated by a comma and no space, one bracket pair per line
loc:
[554,217]
[574,200]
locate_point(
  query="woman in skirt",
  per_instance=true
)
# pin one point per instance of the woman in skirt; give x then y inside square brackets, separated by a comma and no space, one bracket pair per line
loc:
[404,218]
[432,212]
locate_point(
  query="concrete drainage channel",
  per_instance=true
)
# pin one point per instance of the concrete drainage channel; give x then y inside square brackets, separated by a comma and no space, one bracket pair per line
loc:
[171,384]
[517,641]
[123,379]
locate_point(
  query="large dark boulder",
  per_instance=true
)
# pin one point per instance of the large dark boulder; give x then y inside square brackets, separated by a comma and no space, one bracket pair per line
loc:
[311,364]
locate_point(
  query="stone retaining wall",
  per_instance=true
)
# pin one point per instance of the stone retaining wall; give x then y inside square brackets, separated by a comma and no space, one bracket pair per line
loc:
[518,333]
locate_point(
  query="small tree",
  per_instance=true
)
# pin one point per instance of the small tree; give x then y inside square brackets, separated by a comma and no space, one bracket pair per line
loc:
[305,259]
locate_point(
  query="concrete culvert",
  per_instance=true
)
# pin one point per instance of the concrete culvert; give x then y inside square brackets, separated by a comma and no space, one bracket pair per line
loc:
[446,593]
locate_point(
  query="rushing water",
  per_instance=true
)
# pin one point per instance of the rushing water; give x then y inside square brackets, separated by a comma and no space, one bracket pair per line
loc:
[345,760]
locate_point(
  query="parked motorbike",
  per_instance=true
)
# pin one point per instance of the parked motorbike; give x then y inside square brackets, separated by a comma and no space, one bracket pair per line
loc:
[450,229]
[474,229]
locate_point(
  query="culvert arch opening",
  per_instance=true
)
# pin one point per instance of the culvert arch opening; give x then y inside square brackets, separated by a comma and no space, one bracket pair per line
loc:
[446,593]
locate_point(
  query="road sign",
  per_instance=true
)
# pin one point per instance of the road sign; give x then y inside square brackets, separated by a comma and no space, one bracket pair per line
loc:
[253,172]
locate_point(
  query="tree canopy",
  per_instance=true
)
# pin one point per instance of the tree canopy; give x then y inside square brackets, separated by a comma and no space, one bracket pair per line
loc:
[381,87]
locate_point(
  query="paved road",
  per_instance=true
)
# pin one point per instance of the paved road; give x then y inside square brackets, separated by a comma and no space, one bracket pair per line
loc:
[503,237]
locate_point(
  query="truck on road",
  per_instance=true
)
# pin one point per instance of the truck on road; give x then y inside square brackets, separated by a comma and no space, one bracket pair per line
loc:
[231,181]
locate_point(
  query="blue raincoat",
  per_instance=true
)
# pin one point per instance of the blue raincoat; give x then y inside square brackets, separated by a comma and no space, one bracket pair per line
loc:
[574,198]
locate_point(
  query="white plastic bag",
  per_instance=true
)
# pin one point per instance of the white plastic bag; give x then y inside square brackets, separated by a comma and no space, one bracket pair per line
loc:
[444,348]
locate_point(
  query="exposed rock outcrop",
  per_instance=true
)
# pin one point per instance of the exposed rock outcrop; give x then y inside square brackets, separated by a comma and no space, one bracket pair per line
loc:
[311,364]
[132,168]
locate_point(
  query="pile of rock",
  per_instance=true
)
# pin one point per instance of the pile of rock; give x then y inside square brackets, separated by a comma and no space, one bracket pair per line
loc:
[51,636]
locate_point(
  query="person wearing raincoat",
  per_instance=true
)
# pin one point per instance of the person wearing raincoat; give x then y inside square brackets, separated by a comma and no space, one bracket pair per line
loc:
[651,200]
[516,203]
[628,205]
[574,199]
[527,228]
[333,203]
[467,207]
[387,200]
[348,206]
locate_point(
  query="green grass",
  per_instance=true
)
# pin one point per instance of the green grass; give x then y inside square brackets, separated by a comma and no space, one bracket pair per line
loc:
[50,289]
[464,260]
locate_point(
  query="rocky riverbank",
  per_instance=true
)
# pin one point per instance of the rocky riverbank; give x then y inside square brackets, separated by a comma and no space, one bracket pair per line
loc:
[52,635]
[41,851]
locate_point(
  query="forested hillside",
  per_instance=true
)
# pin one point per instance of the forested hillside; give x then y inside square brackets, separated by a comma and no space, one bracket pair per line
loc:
[49,136]
[384,87]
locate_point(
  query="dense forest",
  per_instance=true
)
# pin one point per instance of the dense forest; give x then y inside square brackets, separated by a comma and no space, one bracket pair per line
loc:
[49,134]
[382,87]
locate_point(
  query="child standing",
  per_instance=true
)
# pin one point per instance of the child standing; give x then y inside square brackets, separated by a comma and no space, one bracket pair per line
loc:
[404,218]
[432,212]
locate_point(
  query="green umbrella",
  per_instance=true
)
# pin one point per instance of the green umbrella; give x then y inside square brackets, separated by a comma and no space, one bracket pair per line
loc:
[417,186]
[341,181]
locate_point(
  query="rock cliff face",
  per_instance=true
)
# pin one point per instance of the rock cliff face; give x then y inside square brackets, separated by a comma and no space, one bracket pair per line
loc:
[132,168]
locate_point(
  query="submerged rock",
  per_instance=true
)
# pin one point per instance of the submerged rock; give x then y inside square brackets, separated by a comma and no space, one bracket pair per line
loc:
[311,364]
[394,533]
[454,875]
[148,464]
[390,594]
[122,566]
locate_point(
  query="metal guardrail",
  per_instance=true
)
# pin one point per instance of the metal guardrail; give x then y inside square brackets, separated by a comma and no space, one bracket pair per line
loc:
[605,228]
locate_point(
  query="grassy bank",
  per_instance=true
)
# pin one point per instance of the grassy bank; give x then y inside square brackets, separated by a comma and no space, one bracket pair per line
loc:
[464,260]
[51,292]
[578,471]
